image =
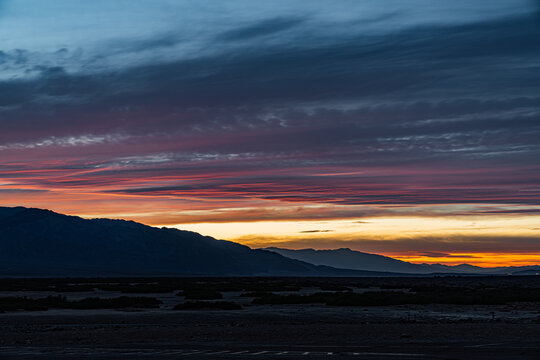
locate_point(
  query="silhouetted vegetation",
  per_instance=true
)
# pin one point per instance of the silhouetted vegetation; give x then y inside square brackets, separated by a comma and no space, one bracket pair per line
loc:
[73,288]
[208,305]
[61,302]
[158,285]
[385,298]
[275,299]
[334,287]
[139,288]
[256,294]
[200,294]
[462,290]
[463,297]
[116,303]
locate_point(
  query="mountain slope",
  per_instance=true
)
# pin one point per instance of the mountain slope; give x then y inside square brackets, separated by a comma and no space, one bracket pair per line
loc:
[36,242]
[350,259]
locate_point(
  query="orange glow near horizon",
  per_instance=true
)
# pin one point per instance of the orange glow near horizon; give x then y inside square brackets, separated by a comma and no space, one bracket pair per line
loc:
[477,259]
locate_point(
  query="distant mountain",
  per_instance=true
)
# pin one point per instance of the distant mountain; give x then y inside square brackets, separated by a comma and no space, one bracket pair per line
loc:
[36,242]
[350,259]
[534,270]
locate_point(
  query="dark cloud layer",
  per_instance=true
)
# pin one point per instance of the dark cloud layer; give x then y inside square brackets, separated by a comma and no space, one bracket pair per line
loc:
[431,246]
[268,27]
[425,115]
[444,255]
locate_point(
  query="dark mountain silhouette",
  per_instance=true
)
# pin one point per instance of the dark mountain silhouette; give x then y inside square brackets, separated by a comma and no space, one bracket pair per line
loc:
[535,270]
[35,242]
[350,259]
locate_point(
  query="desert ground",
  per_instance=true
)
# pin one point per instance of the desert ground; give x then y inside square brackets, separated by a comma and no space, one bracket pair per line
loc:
[282,330]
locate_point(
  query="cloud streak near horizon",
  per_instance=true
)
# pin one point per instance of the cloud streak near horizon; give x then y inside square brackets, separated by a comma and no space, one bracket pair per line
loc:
[355,108]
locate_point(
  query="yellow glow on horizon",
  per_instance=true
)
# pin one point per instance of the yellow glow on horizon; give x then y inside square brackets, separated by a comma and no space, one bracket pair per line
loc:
[383,228]
[353,233]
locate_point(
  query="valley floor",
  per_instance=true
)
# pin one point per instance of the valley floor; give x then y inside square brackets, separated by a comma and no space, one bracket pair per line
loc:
[287,331]
[276,332]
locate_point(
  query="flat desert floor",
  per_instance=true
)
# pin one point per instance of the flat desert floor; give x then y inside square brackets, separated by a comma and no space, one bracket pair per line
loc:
[286,331]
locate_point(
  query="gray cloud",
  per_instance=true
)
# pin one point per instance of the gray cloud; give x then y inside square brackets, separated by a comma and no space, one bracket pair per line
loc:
[435,254]
[459,97]
[431,244]
[352,67]
[20,191]
[260,29]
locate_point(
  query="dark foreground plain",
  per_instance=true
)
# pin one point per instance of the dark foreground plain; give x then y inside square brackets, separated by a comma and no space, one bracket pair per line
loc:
[279,318]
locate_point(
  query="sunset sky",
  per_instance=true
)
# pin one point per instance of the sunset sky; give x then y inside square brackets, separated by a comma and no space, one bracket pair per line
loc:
[409,128]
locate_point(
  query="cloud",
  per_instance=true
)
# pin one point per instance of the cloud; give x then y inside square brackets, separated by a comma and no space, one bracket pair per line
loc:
[69,141]
[412,116]
[260,29]
[437,245]
[369,190]
[18,191]
[511,211]
[344,67]
[434,254]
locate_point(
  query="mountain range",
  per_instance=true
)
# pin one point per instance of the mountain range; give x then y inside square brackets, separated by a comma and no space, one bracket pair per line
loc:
[356,260]
[36,242]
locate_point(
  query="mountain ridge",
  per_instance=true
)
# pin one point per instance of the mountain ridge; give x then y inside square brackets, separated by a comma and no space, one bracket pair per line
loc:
[357,260]
[40,242]
[45,243]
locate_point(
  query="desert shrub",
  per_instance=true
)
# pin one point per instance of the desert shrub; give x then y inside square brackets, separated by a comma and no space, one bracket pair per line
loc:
[274,299]
[386,298]
[13,303]
[138,288]
[334,287]
[441,296]
[256,294]
[148,288]
[208,305]
[116,303]
[60,302]
[373,298]
[271,287]
[200,294]
[74,288]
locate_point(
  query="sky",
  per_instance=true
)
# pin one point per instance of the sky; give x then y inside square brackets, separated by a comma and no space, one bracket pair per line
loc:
[409,128]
